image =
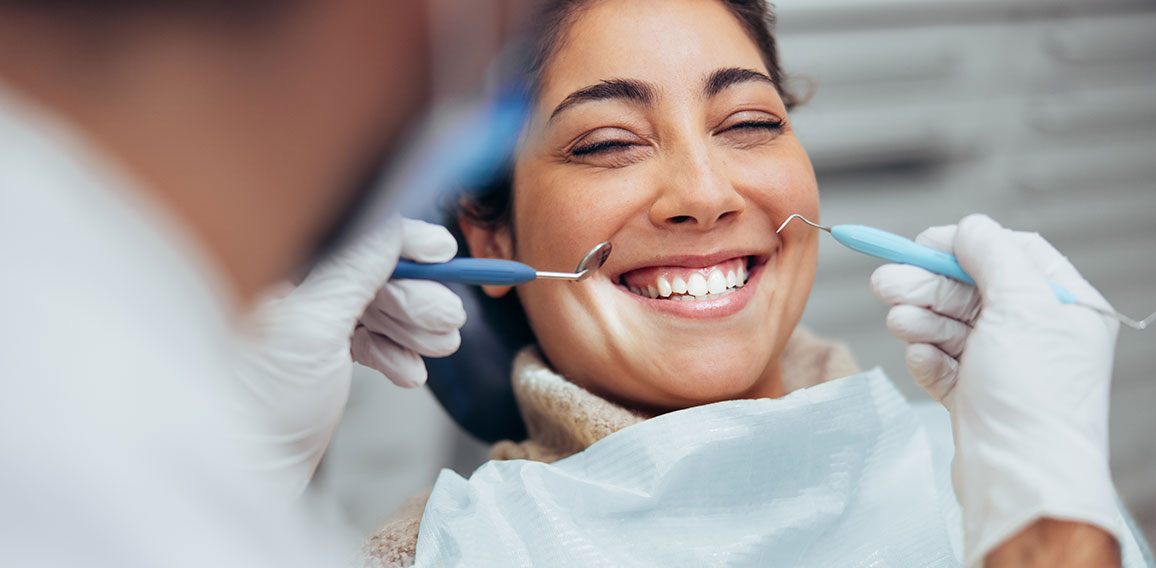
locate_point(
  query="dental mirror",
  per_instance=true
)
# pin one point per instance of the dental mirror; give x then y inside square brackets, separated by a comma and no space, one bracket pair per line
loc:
[495,272]
[587,266]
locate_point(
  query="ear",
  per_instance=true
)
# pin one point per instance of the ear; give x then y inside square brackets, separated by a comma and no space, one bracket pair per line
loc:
[488,243]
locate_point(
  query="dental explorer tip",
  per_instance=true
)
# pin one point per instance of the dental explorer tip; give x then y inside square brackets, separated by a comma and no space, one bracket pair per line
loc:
[1144,323]
[803,219]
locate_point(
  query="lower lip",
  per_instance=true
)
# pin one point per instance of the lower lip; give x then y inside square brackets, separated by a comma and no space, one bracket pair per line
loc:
[705,309]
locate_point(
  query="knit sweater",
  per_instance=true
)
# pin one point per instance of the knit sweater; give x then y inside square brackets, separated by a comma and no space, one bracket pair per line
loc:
[563,419]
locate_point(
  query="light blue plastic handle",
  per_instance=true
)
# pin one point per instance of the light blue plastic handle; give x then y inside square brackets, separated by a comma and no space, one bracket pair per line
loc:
[472,271]
[889,246]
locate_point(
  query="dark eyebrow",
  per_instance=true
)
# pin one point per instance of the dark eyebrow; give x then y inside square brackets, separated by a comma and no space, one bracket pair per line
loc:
[628,89]
[723,78]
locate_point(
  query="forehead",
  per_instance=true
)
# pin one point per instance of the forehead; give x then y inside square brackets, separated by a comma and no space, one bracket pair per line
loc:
[673,44]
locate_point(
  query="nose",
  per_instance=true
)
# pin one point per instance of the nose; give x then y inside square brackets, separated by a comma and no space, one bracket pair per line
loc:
[696,196]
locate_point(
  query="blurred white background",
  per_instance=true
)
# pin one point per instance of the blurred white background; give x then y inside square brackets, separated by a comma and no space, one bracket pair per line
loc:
[1041,113]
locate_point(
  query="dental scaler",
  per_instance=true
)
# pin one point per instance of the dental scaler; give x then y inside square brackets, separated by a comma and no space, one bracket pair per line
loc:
[892,247]
[492,271]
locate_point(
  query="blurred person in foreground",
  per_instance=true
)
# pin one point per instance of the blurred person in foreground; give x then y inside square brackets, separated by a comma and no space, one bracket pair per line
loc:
[163,165]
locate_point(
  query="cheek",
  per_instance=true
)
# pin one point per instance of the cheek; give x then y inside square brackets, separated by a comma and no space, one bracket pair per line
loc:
[804,259]
[559,216]
[780,182]
[568,331]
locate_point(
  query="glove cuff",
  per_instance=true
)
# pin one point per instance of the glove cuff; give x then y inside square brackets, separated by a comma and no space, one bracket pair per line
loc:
[1006,478]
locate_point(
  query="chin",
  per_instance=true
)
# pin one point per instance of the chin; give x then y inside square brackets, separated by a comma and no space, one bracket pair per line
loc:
[697,382]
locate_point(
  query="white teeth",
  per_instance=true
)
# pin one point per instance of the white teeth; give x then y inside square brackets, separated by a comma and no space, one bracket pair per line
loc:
[696,285]
[716,283]
[664,288]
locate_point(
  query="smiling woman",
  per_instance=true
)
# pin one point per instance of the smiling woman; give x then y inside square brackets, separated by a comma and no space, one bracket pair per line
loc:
[666,133]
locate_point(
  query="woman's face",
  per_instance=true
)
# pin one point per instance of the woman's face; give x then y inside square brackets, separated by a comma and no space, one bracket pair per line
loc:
[657,129]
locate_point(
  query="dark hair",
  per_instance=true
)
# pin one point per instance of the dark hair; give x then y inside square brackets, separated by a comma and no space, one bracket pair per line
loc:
[491,206]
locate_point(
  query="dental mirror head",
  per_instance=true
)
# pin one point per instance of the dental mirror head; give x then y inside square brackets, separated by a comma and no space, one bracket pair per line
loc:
[586,267]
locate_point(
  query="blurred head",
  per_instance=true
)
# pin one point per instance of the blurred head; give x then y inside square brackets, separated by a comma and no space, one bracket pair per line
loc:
[257,123]
[661,127]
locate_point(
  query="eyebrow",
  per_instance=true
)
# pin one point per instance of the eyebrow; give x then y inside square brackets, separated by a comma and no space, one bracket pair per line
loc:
[725,78]
[623,89]
[644,93]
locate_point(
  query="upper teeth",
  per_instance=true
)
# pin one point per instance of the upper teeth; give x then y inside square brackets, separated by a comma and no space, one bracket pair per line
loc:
[696,285]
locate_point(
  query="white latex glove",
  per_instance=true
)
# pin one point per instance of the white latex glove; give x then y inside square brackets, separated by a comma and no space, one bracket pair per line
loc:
[1025,378]
[298,366]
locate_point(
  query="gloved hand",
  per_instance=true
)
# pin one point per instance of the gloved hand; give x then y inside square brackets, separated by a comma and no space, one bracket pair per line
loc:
[297,367]
[1025,378]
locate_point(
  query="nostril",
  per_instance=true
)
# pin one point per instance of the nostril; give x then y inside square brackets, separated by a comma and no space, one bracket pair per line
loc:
[678,220]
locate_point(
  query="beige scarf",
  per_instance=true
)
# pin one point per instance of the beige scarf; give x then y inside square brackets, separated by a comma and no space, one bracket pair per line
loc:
[563,419]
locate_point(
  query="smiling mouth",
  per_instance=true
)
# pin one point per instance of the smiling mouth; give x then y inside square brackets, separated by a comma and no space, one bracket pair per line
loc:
[689,284]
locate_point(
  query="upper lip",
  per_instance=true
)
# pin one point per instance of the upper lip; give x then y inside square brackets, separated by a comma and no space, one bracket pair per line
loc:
[687,261]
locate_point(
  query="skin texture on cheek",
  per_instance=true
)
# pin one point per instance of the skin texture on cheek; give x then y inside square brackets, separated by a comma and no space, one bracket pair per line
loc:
[552,307]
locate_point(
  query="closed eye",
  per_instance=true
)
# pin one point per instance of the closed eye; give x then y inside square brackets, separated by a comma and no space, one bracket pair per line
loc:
[775,125]
[602,147]
[750,134]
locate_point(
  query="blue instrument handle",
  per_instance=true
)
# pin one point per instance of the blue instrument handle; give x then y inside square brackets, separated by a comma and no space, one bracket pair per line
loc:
[889,246]
[472,271]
